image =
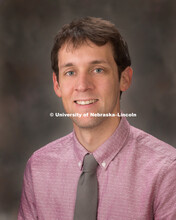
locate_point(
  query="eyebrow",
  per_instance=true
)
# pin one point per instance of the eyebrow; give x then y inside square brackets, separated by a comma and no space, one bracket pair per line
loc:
[92,62]
[67,65]
[98,62]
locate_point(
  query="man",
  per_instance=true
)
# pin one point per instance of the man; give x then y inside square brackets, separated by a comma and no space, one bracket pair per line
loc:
[105,169]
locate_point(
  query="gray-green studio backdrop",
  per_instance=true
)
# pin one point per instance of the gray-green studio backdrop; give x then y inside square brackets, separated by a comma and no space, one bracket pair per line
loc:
[27,29]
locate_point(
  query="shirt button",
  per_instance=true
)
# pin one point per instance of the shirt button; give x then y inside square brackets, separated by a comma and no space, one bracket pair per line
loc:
[79,164]
[103,164]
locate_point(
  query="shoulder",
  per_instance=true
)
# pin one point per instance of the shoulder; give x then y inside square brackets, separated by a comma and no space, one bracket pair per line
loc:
[152,147]
[54,150]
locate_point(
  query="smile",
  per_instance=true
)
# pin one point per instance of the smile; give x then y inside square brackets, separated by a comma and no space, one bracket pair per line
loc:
[86,102]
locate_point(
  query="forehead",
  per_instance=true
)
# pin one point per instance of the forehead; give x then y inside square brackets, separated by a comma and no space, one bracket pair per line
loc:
[86,50]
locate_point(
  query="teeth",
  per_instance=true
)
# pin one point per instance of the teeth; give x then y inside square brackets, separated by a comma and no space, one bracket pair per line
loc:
[87,102]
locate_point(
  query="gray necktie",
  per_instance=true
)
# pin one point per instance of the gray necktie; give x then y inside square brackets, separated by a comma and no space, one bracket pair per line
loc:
[87,191]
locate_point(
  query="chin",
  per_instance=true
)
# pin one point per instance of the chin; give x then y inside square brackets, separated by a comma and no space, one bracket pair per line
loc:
[88,123]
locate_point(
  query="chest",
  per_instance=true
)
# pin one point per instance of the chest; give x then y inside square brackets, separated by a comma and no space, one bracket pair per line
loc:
[123,193]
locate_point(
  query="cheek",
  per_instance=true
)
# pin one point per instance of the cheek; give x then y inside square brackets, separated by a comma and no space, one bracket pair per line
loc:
[65,94]
[112,92]
[65,89]
[110,86]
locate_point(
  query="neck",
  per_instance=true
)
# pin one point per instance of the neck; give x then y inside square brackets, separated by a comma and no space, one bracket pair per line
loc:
[92,138]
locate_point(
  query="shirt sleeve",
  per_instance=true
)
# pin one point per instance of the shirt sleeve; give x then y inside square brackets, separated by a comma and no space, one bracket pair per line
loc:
[27,210]
[165,201]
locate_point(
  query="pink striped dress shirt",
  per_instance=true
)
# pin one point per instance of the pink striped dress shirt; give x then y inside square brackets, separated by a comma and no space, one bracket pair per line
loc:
[136,176]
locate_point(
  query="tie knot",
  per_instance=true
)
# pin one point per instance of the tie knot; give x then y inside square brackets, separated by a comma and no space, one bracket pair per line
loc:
[90,164]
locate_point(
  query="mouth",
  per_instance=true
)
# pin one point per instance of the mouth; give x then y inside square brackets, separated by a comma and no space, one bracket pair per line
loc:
[85,102]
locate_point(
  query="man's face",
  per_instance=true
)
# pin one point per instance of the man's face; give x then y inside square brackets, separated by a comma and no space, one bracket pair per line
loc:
[88,82]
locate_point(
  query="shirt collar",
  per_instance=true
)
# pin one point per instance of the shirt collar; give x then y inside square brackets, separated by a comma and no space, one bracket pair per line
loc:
[79,151]
[108,150]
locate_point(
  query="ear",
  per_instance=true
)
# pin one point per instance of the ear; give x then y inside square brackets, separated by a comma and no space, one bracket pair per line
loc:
[125,79]
[56,86]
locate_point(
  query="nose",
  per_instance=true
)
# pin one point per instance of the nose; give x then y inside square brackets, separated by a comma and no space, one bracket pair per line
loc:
[84,82]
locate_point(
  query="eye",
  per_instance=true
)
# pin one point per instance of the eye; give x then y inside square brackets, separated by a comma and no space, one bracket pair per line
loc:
[98,70]
[69,73]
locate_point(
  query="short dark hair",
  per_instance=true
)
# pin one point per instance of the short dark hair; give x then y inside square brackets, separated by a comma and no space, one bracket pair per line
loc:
[98,31]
